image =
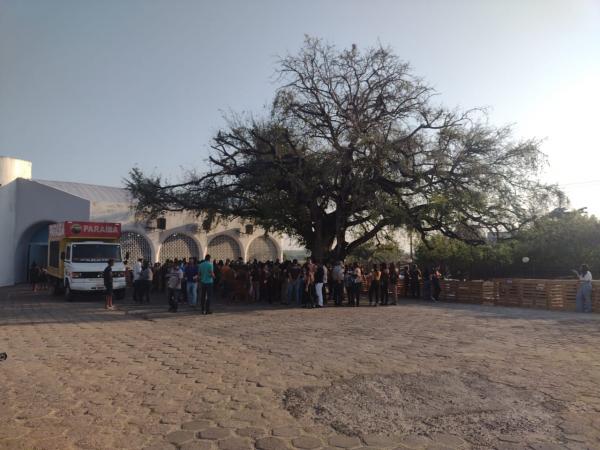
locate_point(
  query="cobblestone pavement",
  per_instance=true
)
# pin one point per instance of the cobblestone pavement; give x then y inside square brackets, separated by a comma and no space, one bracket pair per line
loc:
[78,376]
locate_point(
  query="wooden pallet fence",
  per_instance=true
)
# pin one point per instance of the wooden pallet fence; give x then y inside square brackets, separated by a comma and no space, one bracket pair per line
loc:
[557,295]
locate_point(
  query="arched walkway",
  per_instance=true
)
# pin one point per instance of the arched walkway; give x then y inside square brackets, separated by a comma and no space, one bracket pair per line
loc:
[32,246]
[136,245]
[262,248]
[178,245]
[224,247]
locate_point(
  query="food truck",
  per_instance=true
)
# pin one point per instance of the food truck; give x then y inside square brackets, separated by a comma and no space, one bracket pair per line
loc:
[78,253]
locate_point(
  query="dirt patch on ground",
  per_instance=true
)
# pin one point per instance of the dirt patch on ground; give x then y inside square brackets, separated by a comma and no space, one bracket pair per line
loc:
[466,404]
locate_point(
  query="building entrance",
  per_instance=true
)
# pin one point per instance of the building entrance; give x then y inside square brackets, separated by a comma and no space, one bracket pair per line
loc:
[37,250]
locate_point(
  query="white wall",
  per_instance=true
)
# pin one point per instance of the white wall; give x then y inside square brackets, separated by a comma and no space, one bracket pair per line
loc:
[111,212]
[8,194]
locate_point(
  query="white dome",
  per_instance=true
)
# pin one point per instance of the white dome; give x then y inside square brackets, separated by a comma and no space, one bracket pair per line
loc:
[13,168]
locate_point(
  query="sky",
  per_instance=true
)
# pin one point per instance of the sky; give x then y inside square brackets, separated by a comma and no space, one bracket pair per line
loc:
[90,89]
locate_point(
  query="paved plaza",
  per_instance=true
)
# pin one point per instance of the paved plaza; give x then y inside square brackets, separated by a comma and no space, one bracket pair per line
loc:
[410,376]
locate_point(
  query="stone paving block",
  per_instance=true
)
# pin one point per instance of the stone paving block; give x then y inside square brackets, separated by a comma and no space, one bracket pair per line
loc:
[271,443]
[320,430]
[197,425]
[287,431]
[198,445]
[235,443]
[59,443]
[413,441]
[214,433]
[448,440]
[510,438]
[306,442]
[575,428]
[251,432]
[509,446]
[180,437]
[546,446]
[575,438]
[231,423]
[343,441]
[378,440]
[160,446]
[435,446]
[245,415]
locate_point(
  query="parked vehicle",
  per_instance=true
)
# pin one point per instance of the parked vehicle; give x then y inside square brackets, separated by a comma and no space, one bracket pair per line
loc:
[78,253]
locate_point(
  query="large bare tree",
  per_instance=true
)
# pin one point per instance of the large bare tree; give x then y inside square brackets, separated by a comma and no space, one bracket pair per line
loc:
[355,145]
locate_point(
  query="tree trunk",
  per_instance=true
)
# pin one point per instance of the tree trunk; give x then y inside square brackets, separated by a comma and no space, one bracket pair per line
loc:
[320,247]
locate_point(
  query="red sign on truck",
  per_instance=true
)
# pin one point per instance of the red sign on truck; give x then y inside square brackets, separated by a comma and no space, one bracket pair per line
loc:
[98,230]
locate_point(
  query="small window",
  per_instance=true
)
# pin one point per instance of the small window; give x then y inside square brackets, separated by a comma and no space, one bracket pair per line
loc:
[68,257]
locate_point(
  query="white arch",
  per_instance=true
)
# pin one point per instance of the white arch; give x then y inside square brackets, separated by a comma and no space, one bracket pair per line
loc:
[146,237]
[238,243]
[270,240]
[167,234]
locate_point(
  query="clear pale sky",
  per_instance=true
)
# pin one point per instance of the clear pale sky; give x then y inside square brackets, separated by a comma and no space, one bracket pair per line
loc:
[89,89]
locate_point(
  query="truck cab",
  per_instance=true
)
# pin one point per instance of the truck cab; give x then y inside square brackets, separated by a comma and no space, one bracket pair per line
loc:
[78,253]
[85,263]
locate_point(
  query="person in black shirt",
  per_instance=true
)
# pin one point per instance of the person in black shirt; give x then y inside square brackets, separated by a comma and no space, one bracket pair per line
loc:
[108,284]
[34,276]
[414,281]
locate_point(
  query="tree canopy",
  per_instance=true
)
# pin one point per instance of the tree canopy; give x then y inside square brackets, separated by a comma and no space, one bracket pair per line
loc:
[354,145]
[554,244]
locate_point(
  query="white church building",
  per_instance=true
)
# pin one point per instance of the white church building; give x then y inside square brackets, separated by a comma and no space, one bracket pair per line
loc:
[28,206]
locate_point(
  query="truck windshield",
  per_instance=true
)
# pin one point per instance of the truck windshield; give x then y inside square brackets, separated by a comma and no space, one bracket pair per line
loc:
[95,253]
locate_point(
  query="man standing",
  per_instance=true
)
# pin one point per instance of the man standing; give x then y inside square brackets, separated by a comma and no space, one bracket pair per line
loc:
[108,284]
[294,289]
[337,276]
[207,277]
[319,283]
[146,277]
[583,301]
[357,279]
[137,270]
[191,282]
[175,276]
[228,280]
[414,281]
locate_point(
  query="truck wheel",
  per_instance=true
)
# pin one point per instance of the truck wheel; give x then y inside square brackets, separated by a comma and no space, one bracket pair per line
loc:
[68,292]
[120,294]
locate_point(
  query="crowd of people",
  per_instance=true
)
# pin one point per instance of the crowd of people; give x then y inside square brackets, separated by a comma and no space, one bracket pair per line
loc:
[309,285]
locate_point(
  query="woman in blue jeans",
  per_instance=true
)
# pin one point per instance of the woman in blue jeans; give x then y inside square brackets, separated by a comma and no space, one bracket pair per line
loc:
[583,301]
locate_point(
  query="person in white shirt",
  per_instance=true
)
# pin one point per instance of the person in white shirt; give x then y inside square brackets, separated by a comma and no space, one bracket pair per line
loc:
[583,301]
[137,288]
[320,281]
[174,287]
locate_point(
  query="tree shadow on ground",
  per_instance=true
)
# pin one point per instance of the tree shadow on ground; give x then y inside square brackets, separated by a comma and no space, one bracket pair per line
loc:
[20,306]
